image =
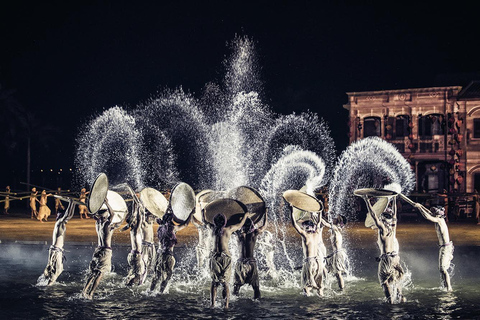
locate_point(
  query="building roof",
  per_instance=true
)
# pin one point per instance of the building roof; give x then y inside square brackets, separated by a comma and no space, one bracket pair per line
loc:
[428,89]
[470,92]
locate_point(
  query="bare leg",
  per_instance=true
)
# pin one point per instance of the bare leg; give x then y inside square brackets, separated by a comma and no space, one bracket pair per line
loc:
[213,293]
[341,284]
[226,294]
[256,291]
[400,296]
[306,291]
[164,283]
[388,293]
[91,285]
[446,279]
[154,282]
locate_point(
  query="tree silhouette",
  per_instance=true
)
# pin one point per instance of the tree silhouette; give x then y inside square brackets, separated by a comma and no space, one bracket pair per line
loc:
[22,130]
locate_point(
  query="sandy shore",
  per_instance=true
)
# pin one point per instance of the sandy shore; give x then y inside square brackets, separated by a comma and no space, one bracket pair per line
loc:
[19,227]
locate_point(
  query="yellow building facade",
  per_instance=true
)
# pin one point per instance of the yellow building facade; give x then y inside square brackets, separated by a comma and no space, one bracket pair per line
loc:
[436,129]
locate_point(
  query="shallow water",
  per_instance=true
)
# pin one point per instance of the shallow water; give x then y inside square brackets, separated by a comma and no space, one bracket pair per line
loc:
[188,294]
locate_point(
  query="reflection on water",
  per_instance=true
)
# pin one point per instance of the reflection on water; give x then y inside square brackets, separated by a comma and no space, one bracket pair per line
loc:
[188,295]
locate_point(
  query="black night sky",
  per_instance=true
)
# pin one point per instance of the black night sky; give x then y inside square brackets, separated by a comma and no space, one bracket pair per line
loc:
[69,60]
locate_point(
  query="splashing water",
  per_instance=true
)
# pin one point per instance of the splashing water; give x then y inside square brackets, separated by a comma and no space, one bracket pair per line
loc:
[111,144]
[368,163]
[224,139]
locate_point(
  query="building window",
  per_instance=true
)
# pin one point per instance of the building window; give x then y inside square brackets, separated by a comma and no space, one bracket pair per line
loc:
[476,129]
[430,125]
[371,127]
[401,126]
[476,181]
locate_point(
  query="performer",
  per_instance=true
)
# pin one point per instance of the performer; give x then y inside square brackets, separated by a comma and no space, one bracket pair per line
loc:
[445,254]
[33,204]
[135,261]
[148,246]
[6,205]
[102,257]
[336,261]
[246,270]
[313,269]
[58,202]
[56,254]
[221,261]
[165,261]
[390,271]
[82,208]
[44,211]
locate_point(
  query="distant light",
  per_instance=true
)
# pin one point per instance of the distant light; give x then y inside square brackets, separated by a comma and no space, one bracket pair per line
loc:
[58,172]
[41,170]
[60,169]
[70,169]
[51,170]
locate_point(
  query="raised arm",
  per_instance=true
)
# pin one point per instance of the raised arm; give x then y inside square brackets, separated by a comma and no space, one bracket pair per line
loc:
[69,212]
[295,224]
[372,214]
[264,226]
[238,226]
[426,213]
[325,223]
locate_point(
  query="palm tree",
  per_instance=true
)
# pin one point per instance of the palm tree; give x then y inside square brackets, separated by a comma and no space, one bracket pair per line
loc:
[21,127]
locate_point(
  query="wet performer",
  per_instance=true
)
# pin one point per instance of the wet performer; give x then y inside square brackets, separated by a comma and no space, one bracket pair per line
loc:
[336,261]
[313,269]
[165,261]
[204,243]
[33,202]
[149,252]
[44,211]
[246,271]
[445,254]
[56,255]
[390,271]
[82,208]
[135,261]
[221,260]
[102,257]
[58,202]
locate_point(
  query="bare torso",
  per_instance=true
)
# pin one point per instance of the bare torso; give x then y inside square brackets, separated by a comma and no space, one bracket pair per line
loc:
[310,244]
[247,242]
[442,232]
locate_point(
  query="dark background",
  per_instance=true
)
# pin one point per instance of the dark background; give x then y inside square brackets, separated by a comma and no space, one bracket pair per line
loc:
[66,62]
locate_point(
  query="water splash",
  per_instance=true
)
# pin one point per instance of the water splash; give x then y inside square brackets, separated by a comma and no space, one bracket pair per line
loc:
[223,139]
[111,143]
[368,163]
[294,169]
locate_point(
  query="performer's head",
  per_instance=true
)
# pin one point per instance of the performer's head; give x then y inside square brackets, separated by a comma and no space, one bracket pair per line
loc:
[340,220]
[219,220]
[167,218]
[309,226]
[8,188]
[83,190]
[249,226]
[34,189]
[438,211]
[388,217]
